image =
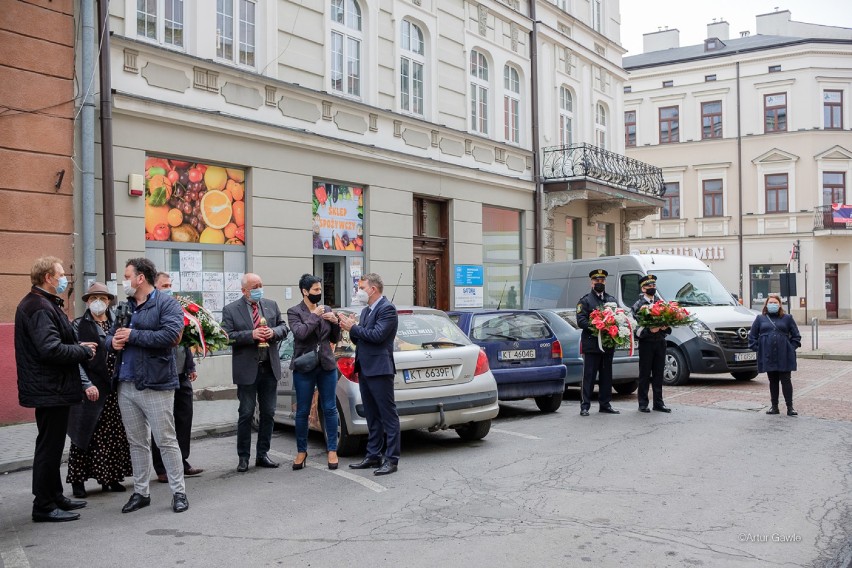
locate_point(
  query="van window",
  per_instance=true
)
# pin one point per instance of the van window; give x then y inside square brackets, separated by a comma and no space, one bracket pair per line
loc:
[630,289]
[508,327]
[693,288]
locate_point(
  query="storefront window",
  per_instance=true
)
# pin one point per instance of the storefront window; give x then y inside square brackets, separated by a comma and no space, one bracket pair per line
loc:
[765,278]
[338,239]
[502,258]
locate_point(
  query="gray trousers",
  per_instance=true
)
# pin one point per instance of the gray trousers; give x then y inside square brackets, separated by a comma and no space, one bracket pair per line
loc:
[144,413]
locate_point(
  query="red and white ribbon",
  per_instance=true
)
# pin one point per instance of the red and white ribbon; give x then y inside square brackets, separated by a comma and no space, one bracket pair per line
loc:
[197,325]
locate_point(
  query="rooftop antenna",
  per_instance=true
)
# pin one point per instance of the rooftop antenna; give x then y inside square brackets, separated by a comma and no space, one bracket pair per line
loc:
[500,302]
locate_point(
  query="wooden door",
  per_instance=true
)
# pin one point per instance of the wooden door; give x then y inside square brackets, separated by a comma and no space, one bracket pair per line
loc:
[431,275]
[831,291]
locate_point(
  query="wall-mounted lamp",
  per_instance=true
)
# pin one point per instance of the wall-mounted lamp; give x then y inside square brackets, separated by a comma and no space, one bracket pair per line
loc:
[135,185]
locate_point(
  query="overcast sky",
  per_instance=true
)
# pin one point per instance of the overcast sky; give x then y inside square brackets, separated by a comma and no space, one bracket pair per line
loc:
[691,17]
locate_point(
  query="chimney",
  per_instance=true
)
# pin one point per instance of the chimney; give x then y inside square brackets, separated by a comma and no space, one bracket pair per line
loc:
[720,30]
[660,40]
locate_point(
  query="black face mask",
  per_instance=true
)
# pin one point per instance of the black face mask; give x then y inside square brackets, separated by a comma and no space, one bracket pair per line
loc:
[650,291]
[314,298]
[600,287]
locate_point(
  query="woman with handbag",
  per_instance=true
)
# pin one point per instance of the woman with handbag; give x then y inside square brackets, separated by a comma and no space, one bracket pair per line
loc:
[775,337]
[315,327]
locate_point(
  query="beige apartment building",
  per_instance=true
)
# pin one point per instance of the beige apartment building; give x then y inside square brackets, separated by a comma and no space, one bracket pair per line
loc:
[753,136]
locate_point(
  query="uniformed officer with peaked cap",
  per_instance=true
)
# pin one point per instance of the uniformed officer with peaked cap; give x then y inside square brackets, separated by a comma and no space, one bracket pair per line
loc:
[597,363]
[652,350]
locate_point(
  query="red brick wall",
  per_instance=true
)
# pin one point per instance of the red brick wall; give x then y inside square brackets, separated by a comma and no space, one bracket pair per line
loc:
[36,142]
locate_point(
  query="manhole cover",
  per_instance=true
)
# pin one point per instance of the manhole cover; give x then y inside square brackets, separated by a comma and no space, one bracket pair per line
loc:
[739,405]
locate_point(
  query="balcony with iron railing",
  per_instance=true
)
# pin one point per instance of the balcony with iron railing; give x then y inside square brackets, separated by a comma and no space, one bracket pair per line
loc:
[828,218]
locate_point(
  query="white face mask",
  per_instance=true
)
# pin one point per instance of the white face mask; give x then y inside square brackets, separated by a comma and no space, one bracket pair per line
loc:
[98,307]
[128,289]
[362,297]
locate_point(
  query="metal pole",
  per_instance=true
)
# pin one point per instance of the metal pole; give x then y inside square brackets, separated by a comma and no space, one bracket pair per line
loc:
[740,180]
[107,175]
[806,291]
[538,197]
[87,144]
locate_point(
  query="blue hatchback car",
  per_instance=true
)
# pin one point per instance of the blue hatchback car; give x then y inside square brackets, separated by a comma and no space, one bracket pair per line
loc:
[524,354]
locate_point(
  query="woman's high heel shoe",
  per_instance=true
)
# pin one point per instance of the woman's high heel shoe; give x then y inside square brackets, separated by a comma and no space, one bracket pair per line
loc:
[79,490]
[301,464]
[335,463]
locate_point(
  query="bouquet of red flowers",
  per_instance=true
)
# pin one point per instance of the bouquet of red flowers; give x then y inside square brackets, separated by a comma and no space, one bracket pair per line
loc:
[613,327]
[663,314]
[201,332]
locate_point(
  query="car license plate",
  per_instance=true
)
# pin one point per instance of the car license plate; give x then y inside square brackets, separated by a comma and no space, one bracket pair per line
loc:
[428,374]
[517,354]
[750,356]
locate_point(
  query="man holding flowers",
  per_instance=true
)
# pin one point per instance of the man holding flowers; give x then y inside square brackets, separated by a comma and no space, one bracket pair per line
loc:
[597,356]
[652,344]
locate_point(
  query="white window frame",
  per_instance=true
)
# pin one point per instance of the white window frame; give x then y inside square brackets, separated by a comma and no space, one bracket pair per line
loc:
[241,32]
[412,59]
[597,15]
[478,75]
[566,116]
[159,22]
[512,104]
[350,34]
[601,137]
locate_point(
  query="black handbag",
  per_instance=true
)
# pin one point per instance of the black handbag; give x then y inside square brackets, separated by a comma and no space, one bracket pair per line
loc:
[307,362]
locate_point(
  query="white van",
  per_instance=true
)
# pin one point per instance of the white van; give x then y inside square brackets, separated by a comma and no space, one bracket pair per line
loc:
[717,342]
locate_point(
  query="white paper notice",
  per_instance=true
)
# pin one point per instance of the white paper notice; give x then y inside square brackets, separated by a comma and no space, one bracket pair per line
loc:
[190,281]
[233,281]
[190,261]
[213,301]
[231,296]
[175,276]
[213,282]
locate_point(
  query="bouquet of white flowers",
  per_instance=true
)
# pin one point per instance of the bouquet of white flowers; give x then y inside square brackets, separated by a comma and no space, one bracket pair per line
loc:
[613,326]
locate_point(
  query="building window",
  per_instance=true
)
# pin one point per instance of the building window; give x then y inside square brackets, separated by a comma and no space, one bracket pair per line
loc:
[566,116]
[708,78]
[512,104]
[833,187]
[168,29]
[630,129]
[711,120]
[573,238]
[774,68]
[234,31]
[501,254]
[597,15]
[776,193]
[671,205]
[832,109]
[478,92]
[411,68]
[668,83]
[764,279]
[775,112]
[669,125]
[600,125]
[346,47]
[712,197]
[628,89]
[605,239]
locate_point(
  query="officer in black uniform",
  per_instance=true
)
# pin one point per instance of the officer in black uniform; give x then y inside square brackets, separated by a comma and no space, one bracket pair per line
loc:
[652,350]
[596,363]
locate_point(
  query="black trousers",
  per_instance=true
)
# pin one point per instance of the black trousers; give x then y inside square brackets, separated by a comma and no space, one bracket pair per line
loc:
[597,365]
[183,425]
[782,377]
[52,425]
[263,393]
[652,362]
[382,419]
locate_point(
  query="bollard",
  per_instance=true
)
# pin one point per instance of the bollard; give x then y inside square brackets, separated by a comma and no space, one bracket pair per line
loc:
[814,334]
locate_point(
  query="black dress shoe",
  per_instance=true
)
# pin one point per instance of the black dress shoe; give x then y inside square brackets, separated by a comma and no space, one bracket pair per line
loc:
[644,409]
[190,471]
[114,487]
[584,412]
[773,409]
[264,461]
[79,490]
[67,504]
[243,465]
[55,516]
[609,410]
[662,408]
[179,503]
[135,503]
[366,463]
[791,411]
[386,468]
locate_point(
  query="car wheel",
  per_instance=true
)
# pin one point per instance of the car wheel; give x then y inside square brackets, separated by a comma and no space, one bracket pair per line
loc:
[626,388]
[745,375]
[474,431]
[675,372]
[347,444]
[549,403]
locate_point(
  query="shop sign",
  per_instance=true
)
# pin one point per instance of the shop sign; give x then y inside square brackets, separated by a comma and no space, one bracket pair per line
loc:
[338,212]
[192,202]
[469,297]
[702,253]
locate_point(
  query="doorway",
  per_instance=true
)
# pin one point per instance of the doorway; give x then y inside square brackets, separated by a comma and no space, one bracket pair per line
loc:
[430,254]
[831,291]
[332,270]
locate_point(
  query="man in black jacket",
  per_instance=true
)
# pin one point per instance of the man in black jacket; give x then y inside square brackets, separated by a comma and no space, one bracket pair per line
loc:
[597,362]
[652,350]
[48,357]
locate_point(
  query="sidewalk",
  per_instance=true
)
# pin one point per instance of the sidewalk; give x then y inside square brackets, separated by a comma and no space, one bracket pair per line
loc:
[835,342]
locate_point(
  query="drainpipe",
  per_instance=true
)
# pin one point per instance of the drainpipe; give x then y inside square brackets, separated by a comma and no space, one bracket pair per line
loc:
[538,197]
[87,145]
[107,176]
[740,183]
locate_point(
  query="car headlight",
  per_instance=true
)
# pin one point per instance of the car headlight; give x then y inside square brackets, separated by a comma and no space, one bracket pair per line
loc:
[702,331]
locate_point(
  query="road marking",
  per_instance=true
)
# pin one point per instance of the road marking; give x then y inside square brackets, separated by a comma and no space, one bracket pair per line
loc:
[518,434]
[371,485]
[11,552]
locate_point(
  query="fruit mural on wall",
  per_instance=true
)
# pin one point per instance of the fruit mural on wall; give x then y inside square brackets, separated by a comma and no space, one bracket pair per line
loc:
[338,212]
[188,202]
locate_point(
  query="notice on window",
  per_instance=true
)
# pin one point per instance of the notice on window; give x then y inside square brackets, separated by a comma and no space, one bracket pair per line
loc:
[213,301]
[233,281]
[213,282]
[469,297]
[190,281]
[232,296]
[190,261]
[175,276]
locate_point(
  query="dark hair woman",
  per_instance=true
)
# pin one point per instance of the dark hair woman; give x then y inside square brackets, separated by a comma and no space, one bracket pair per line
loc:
[315,327]
[99,447]
[775,337]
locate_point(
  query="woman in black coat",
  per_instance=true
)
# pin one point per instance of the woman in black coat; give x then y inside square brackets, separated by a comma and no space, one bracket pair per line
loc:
[775,337]
[99,447]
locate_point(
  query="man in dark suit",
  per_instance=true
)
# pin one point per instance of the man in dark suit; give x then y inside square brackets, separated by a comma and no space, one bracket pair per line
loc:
[652,350]
[374,336]
[597,362]
[255,327]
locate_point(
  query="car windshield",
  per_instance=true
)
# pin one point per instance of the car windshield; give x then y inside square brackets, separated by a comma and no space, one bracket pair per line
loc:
[508,327]
[418,331]
[692,288]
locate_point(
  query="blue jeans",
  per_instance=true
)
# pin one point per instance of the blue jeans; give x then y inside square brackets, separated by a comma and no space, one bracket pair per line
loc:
[326,383]
[264,392]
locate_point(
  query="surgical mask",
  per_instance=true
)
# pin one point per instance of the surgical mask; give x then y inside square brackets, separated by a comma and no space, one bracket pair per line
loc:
[98,307]
[61,285]
[256,294]
[650,291]
[772,308]
[362,297]
[314,298]
[167,291]
[600,287]
[128,289]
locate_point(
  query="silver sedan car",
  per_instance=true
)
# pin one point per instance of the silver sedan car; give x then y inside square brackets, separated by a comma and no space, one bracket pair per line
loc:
[442,382]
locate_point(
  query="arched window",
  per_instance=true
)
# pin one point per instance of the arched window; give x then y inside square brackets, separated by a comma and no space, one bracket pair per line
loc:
[600,125]
[512,104]
[478,92]
[566,116]
[346,47]
[411,65]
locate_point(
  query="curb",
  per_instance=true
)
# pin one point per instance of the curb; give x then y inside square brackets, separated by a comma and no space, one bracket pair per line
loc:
[826,356]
